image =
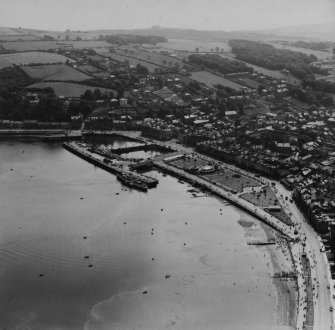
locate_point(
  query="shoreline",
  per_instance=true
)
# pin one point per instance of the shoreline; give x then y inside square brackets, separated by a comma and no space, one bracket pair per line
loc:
[320,270]
[294,248]
[287,295]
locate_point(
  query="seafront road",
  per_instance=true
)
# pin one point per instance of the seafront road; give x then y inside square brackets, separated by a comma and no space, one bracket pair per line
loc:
[323,318]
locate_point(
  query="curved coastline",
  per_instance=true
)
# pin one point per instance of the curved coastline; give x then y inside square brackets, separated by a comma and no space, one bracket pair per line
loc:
[296,247]
[258,213]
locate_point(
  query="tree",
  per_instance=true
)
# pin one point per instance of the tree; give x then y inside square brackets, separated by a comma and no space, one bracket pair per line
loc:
[97,94]
[87,95]
[194,84]
[141,69]
[327,101]
[49,91]
[197,49]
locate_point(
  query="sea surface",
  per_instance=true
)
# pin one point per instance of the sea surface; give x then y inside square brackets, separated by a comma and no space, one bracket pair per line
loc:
[80,251]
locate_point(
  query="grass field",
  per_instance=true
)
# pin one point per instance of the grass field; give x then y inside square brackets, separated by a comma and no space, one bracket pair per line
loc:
[34,58]
[69,89]
[211,79]
[11,34]
[159,59]
[132,61]
[22,46]
[87,44]
[8,31]
[231,180]
[4,63]
[88,68]
[191,45]
[55,72]
[19,38]
[322,55]
[270,73]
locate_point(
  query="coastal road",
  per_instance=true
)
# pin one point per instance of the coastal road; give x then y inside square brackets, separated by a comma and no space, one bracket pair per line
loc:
[323,318]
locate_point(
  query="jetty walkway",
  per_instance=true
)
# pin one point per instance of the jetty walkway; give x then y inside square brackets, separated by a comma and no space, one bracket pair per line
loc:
[101,162]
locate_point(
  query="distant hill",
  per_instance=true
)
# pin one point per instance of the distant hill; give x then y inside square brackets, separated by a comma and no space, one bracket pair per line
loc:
[324,32]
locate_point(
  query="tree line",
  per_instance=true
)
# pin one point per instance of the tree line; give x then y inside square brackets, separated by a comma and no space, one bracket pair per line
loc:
[267,56]
[217,63]
[125,39]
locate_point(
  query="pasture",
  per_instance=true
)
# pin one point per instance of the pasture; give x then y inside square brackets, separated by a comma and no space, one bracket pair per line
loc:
[22,46]
[55,72]
[132,61]
[191,45]
[159,59]
[85,44]
[88,68]
[69,89]
[17,38]
[8,31]
[321,55]
[210,79]
[4,63]
[276,74]
[28,58]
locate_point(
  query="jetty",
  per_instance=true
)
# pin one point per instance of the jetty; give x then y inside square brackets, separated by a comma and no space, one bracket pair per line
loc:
[46,135]
[131,179]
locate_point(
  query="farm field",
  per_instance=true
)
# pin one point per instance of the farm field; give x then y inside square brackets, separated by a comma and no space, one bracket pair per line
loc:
[55,72]
[22,46]
[87,68]
[248,82]
[62,35]
[191,45]
[81,44]
[4,63]
[271,73]
[18,37]
[11,34]
[28,58]
[211,79]
[132,61]
[321,55]
[330,78]
[69,89]
[8,31]
[159,59]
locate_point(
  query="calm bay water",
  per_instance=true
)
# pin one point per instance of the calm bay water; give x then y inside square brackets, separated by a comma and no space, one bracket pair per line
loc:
[80,251]
[111,142]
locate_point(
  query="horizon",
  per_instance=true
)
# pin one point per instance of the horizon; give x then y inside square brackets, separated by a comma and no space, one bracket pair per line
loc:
[158,27]
[213,15]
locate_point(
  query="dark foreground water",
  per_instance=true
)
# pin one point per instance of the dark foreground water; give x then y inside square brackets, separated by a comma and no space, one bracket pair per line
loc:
[79,251]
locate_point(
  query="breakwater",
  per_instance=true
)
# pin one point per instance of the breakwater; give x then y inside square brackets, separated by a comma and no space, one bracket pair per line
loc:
[40,135]
[108,166]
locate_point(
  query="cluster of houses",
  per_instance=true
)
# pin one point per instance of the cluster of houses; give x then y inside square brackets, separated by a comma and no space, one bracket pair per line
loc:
[286,142]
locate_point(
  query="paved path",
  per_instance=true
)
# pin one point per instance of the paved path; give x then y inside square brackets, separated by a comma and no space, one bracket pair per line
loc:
[323,318]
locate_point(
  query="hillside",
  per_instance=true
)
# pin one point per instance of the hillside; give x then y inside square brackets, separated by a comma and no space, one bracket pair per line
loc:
[305,32]
[325,32]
